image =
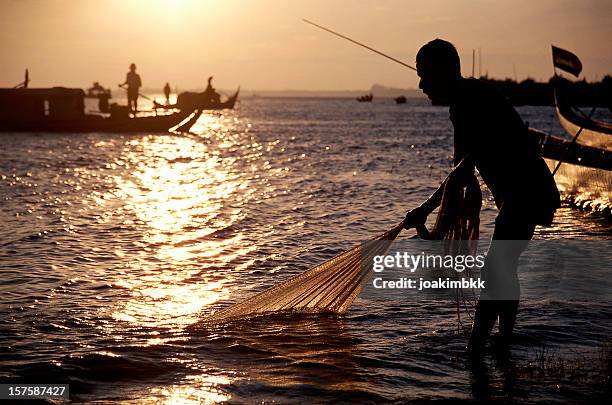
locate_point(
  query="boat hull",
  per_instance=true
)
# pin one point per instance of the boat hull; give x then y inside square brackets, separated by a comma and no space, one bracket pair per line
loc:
[588,136]
[592,133]
[95,123]
[189,100]
[584,177]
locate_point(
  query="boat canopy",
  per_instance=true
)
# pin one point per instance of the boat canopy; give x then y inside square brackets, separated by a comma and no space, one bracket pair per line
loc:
[55,103]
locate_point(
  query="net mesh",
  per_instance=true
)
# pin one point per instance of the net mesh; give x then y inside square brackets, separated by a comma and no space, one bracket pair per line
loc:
[330,287]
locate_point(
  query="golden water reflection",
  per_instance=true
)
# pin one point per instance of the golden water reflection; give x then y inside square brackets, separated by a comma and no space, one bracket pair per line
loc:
[198,389]
[177,189]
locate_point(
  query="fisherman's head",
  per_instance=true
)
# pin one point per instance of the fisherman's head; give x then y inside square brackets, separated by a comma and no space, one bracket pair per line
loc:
[132,67]
[438,67]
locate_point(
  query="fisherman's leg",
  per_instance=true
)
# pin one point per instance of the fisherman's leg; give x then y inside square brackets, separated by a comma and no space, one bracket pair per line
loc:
[515,234]
[132,101]
[508,311]
[502,289]
[487,309]
[484,320]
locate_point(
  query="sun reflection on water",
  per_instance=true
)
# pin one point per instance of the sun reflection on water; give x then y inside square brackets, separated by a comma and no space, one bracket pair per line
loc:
[198,389]
[176,190]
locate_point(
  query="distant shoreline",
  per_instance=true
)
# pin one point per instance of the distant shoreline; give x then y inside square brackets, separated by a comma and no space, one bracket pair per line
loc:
[526,92]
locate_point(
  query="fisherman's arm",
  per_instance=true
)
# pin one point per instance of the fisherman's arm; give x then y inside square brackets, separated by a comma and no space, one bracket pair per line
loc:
[416,217]
[125,82]
[461,163]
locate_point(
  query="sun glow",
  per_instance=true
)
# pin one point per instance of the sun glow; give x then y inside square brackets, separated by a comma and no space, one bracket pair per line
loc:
[174,4]
[171,14]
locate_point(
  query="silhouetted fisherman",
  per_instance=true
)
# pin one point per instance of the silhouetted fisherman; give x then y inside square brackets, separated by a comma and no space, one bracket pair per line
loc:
[167,92]
[491,136]
[211,96]
[133,82]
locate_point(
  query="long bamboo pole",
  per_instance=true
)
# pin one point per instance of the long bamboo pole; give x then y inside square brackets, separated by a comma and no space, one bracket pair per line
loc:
[360,44]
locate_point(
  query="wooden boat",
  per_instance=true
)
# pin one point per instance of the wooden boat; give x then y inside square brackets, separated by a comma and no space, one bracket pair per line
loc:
[366,98]
[594,133]
[590,132]
[584,165]
[585,176]
[187,100]
[61,109]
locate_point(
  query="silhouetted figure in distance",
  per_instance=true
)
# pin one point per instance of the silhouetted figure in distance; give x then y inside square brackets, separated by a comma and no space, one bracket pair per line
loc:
[210,94]
[167,92]
[96,88]
[491,136]
[133,82]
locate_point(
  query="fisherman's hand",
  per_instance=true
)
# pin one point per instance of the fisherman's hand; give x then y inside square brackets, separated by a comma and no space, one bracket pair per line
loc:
[414,218]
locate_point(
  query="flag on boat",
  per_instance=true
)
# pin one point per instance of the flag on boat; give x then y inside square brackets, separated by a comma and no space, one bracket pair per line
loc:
[566,61]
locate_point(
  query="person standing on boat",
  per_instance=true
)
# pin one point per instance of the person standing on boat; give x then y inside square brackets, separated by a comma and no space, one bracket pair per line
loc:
[167,92]
[489,135]
[210,94]
[133,83]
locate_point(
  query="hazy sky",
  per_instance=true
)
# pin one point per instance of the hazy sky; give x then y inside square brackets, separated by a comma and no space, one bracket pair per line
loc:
[262,44]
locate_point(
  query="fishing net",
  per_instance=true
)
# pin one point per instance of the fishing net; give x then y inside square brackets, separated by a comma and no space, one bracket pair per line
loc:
[458,219]
[330,287]
[458,223]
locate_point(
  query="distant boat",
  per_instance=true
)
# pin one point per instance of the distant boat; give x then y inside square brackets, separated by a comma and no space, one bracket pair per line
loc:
[366,98]
[400,100]
[60,109]
[189,99]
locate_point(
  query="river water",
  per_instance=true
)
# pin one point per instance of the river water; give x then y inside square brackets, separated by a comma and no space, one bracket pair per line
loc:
[113,248]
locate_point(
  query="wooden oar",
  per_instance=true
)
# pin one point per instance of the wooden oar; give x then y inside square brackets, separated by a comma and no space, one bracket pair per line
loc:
[139,94]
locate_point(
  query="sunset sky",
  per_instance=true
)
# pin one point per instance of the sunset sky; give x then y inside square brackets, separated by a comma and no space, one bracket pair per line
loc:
[262,44]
